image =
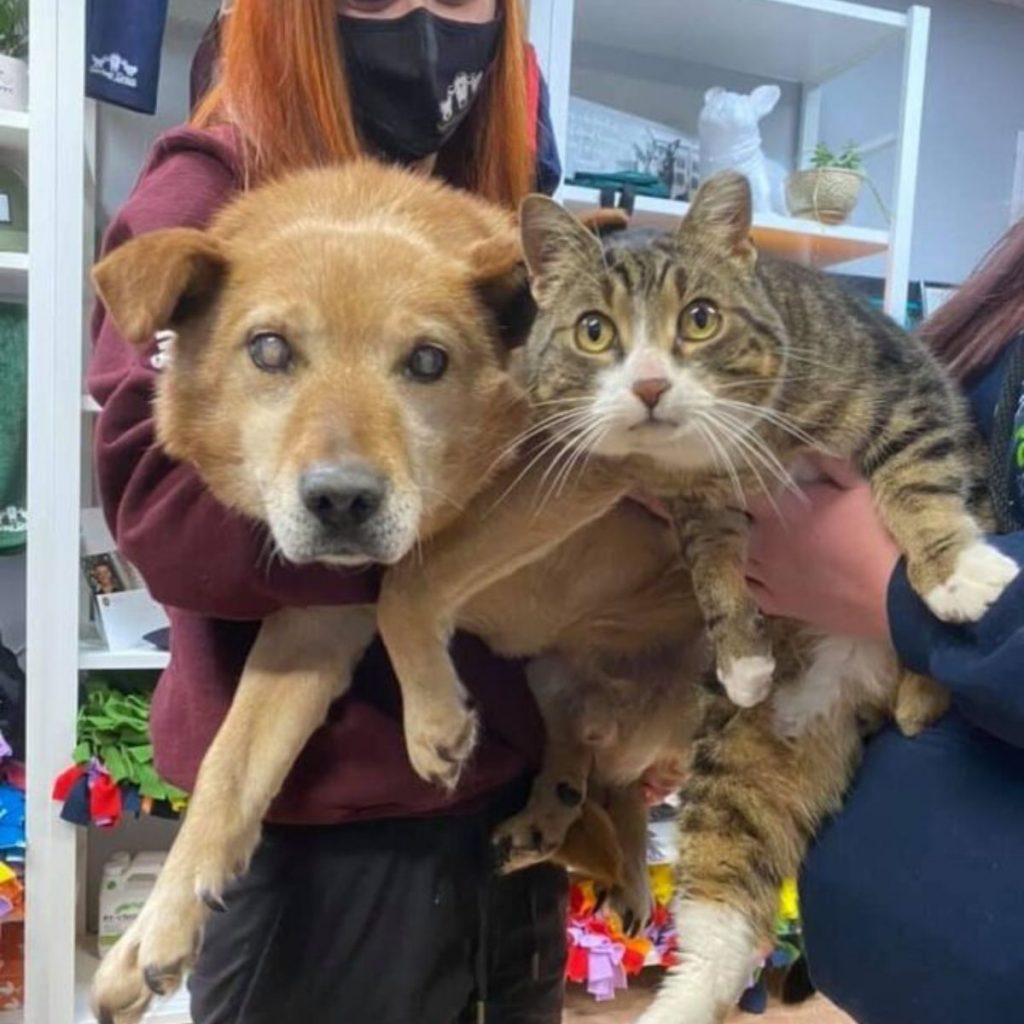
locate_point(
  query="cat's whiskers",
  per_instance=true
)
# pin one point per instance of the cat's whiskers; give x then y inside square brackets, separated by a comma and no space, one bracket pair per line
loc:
[769,459]
[721,456]
[536,429]
[750,454]
[583,449]
[786,423]
[565,458]
[552,442]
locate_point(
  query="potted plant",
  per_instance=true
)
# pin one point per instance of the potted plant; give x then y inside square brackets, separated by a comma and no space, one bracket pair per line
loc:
[828,191]
[13,51]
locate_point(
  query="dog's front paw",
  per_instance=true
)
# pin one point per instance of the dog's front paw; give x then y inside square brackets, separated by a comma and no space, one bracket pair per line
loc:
[150,959]
[982,573]
[529,838]
[747,680]
[441,741]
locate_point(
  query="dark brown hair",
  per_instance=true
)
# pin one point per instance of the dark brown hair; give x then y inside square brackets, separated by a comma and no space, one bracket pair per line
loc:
[970,329]
[282,84]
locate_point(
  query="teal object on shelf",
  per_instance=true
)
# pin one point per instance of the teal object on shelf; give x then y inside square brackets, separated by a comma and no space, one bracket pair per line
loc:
[641,184]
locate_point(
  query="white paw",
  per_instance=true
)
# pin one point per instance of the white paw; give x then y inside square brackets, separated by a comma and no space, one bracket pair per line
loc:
[982,573]
[748,680]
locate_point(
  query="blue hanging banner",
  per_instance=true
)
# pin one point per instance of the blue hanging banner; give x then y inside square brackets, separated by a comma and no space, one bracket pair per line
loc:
[122,60]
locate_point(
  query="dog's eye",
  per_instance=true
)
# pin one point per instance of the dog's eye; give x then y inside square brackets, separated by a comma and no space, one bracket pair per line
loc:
[270,352]
[427,363]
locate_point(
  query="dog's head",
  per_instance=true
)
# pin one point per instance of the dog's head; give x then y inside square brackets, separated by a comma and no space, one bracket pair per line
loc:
[339,367]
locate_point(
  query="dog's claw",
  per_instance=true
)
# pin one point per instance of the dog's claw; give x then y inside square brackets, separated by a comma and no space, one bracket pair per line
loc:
[155,978]
[213,901]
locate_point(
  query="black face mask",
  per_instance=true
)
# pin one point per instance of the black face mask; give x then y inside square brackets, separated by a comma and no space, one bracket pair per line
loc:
[414,79]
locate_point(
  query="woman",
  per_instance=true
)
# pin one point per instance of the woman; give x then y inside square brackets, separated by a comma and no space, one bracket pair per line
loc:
[370,898]
[913,898]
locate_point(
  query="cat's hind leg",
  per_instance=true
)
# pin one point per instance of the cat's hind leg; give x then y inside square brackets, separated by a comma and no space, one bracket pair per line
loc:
[751,805]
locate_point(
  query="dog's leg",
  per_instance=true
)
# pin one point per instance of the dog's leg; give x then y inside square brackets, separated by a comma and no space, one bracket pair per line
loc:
[632,899]
[510,526]
[302,660]
[558,792]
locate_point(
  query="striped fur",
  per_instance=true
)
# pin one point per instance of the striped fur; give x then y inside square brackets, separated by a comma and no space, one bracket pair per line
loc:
[795,363]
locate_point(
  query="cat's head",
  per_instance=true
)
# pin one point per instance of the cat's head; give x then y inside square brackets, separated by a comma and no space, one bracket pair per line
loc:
[666,346]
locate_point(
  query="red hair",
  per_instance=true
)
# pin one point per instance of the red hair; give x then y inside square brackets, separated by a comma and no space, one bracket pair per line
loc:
[987,311]
[282,84]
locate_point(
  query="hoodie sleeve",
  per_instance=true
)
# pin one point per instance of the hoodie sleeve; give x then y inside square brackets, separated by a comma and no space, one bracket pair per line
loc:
[982,663]
[194,553]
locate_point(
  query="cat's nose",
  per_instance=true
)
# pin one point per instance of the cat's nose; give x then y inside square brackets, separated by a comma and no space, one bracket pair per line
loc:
[650,389]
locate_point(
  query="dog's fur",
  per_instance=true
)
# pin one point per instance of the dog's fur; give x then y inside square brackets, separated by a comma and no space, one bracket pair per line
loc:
[355,268]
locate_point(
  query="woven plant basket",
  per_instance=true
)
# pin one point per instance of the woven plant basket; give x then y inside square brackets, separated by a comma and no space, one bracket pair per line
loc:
[826,194]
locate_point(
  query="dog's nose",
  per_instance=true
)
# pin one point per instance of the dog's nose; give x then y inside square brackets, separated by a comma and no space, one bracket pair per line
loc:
[342,497]
[650,389]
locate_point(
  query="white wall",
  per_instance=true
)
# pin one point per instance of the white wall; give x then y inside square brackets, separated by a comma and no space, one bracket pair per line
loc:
[672,92]
[124,137]
[974,108]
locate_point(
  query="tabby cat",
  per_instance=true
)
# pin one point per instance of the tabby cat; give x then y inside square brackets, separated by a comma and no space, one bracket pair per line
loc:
[708,368]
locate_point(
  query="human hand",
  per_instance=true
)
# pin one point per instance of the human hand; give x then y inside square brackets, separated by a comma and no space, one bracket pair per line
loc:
[828,560]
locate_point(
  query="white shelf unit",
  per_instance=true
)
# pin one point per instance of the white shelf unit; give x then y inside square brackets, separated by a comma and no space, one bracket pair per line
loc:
[806,42]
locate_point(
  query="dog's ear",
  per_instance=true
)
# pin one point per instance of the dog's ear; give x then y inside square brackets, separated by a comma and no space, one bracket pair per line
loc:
[159,281]
[500,276]
[553,239]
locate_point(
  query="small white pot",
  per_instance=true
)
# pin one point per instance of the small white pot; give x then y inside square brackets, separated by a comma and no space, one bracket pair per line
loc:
[13,83]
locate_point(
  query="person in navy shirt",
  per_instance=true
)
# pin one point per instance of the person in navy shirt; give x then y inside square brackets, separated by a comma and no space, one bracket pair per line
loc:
[913,896]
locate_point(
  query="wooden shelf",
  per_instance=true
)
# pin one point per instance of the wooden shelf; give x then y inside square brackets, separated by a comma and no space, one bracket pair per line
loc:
[173,1010]
[804,241]
[93,655]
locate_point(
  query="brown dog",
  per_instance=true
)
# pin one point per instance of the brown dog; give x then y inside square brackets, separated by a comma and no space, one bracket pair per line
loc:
[340,374]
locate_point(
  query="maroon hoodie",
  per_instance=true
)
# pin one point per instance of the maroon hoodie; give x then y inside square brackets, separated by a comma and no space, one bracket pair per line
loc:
[208,567]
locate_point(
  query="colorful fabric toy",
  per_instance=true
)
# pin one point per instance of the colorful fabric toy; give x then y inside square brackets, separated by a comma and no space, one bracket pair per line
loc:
[113,773]
[603,957]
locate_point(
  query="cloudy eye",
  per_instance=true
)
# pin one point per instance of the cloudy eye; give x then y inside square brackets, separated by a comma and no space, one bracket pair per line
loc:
[270,352]
[595,333]
[700,321]
[426,363]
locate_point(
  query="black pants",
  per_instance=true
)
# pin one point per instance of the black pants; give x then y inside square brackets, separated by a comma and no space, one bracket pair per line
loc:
[384,922]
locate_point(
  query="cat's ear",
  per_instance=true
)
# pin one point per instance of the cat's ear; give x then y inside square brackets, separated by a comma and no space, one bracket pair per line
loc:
[721,215]
[553,240]
[764,99]
[713,93]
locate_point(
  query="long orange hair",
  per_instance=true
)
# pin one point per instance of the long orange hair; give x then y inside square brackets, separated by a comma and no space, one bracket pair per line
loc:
[282,84]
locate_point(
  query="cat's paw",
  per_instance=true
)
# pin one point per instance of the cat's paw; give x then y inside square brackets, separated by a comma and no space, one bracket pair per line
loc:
[747,680]
[981,575]
[440,741]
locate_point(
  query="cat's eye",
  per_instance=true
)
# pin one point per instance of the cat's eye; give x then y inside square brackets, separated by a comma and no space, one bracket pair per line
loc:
[700,321]
[595,333]
[270,352]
